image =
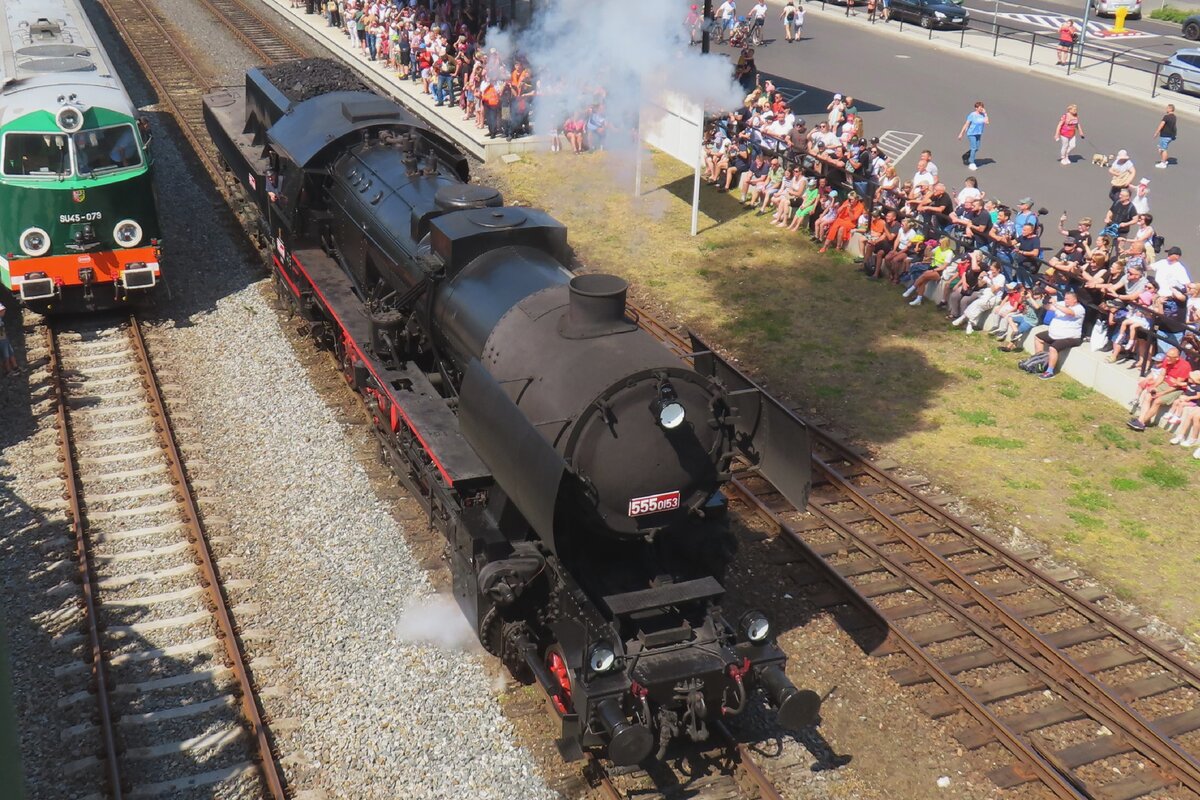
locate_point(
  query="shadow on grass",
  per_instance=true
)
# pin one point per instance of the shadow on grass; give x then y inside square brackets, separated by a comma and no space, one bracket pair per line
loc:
[880,386]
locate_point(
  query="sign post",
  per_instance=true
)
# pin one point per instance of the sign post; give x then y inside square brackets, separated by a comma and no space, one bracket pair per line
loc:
[674,124]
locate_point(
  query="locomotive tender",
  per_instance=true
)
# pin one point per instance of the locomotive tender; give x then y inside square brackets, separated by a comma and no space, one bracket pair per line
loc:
[573,462]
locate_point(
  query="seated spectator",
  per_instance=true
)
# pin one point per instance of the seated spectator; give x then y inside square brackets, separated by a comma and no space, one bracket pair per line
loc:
[970,191]
[1065,331]
[1184,413]
[895,263]
[940,265]
[1138,321]
[838,234]
[829,212]
[1081,233]
[597,128]
[761,193]
[787,197]
[757,174]
[935,208]
[1009,306]
[990,289]
[879,243]
[1029,314]
[809,204]
[1002,237]
[963,292]
[1161,388]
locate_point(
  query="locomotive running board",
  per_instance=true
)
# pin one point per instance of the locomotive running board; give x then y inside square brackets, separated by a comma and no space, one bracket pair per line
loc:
[773,439]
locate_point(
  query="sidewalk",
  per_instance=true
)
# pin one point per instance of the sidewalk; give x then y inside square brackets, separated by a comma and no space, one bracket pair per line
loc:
[1033,52]
[447,120]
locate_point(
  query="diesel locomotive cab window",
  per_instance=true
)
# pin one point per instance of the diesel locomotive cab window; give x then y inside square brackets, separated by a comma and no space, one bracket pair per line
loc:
[36,154]
[105,149]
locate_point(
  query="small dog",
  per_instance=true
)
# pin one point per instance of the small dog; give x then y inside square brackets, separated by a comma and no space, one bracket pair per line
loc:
[1102,160]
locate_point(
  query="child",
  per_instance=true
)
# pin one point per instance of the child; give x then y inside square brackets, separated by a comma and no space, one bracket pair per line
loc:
[1149,303]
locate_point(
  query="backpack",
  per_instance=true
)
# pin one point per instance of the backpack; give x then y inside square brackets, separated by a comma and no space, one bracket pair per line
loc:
[1157,242]
[1036,363]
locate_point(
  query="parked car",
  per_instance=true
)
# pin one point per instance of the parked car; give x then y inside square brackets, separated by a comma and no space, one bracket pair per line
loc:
[1191,27]
[1109,7]
[930,13]
[1182,70]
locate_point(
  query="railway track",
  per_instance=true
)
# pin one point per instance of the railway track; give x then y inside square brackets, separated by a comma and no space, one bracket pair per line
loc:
[160,662]
[178,80]
[1085,702]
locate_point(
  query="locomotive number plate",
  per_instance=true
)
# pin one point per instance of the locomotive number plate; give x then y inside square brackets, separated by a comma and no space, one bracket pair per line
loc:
[652,504]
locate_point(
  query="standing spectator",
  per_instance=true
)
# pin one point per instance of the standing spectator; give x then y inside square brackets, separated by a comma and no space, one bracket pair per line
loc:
[977,120]
[1067,132]
[1064,332]
[1141,196]
[1123,172]
[758,17]
[1166,132]
[1169,273]
[726,14]
[1025,213]
[490,95]
[1067,34]
[872,5]
[8,359]
[791,16]
[331,12]
[1121,214]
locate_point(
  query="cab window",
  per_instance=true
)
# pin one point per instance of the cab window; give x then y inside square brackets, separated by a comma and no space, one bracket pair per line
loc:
[106,149]
[36,154]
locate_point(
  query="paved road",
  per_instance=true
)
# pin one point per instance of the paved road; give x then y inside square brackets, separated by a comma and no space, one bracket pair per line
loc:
[904,87]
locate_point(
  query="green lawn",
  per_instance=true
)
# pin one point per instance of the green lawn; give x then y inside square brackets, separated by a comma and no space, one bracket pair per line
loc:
[1050,457]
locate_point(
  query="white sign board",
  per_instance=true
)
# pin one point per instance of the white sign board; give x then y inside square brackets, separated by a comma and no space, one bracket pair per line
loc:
[674,124]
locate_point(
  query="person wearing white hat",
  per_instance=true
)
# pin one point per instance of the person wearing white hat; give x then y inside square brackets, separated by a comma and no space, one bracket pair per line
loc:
[1123,173]
[1141,196]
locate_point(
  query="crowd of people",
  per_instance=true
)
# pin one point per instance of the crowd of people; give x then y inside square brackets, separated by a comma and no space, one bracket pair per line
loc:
[987,264]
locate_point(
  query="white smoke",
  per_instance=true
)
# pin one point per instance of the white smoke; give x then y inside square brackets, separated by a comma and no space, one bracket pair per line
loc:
[633,50]
[436,621]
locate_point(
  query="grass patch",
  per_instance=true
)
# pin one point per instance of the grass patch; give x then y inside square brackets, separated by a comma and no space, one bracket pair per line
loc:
[1086,521]
[1089,500]
[1074,391]
[1164,475]
[1135,530]
[829,391]
[978,418]
[997,442]
[1111,436]
[1021,483]
[973,374]
[1072,537]
[1171,14]
[1125,484]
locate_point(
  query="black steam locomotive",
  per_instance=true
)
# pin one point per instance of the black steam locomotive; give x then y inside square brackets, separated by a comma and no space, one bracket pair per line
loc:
[573,462]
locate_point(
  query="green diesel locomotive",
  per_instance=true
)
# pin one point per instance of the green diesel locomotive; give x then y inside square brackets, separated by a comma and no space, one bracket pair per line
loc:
[78,220]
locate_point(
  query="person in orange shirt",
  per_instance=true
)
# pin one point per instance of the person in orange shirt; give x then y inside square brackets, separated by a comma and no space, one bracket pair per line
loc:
[520,92]
[844,223]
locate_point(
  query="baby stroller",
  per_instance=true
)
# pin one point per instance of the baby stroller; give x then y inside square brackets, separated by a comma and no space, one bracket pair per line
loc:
[740,35]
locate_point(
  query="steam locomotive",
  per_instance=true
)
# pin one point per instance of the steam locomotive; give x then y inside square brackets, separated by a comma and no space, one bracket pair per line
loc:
[573,462]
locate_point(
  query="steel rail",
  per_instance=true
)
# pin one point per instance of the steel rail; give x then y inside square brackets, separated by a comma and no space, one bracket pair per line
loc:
[87,573]
[227,12]
[745,762]
[140,11]
[1080,682]
[1035,765]
[1077,684]
[198,538]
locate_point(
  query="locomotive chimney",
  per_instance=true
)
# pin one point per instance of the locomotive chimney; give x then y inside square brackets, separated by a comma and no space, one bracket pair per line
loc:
[596,307]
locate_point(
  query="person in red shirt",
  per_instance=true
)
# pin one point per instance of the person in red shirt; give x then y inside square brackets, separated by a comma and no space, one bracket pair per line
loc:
[1160,388]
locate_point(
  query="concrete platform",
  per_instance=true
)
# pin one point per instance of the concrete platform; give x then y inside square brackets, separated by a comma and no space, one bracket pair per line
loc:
[449,119]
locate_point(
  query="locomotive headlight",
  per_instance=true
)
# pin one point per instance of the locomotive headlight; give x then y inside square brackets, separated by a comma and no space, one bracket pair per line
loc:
[755,627]
[35,242]
[601,658]
[69,119]
[667,409]
[127,233]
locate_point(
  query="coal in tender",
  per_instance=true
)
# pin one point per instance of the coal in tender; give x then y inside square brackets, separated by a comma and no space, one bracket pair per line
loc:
[312,77]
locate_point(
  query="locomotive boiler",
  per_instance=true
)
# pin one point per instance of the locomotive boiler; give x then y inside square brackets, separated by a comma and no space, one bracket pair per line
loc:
[573,462]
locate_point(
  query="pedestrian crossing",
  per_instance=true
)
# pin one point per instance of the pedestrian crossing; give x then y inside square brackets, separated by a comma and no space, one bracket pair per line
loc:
[898,144]
[1053,22]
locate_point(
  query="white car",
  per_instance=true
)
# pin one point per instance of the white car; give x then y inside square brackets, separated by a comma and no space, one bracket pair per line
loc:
[1182,70]
[1109,7]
